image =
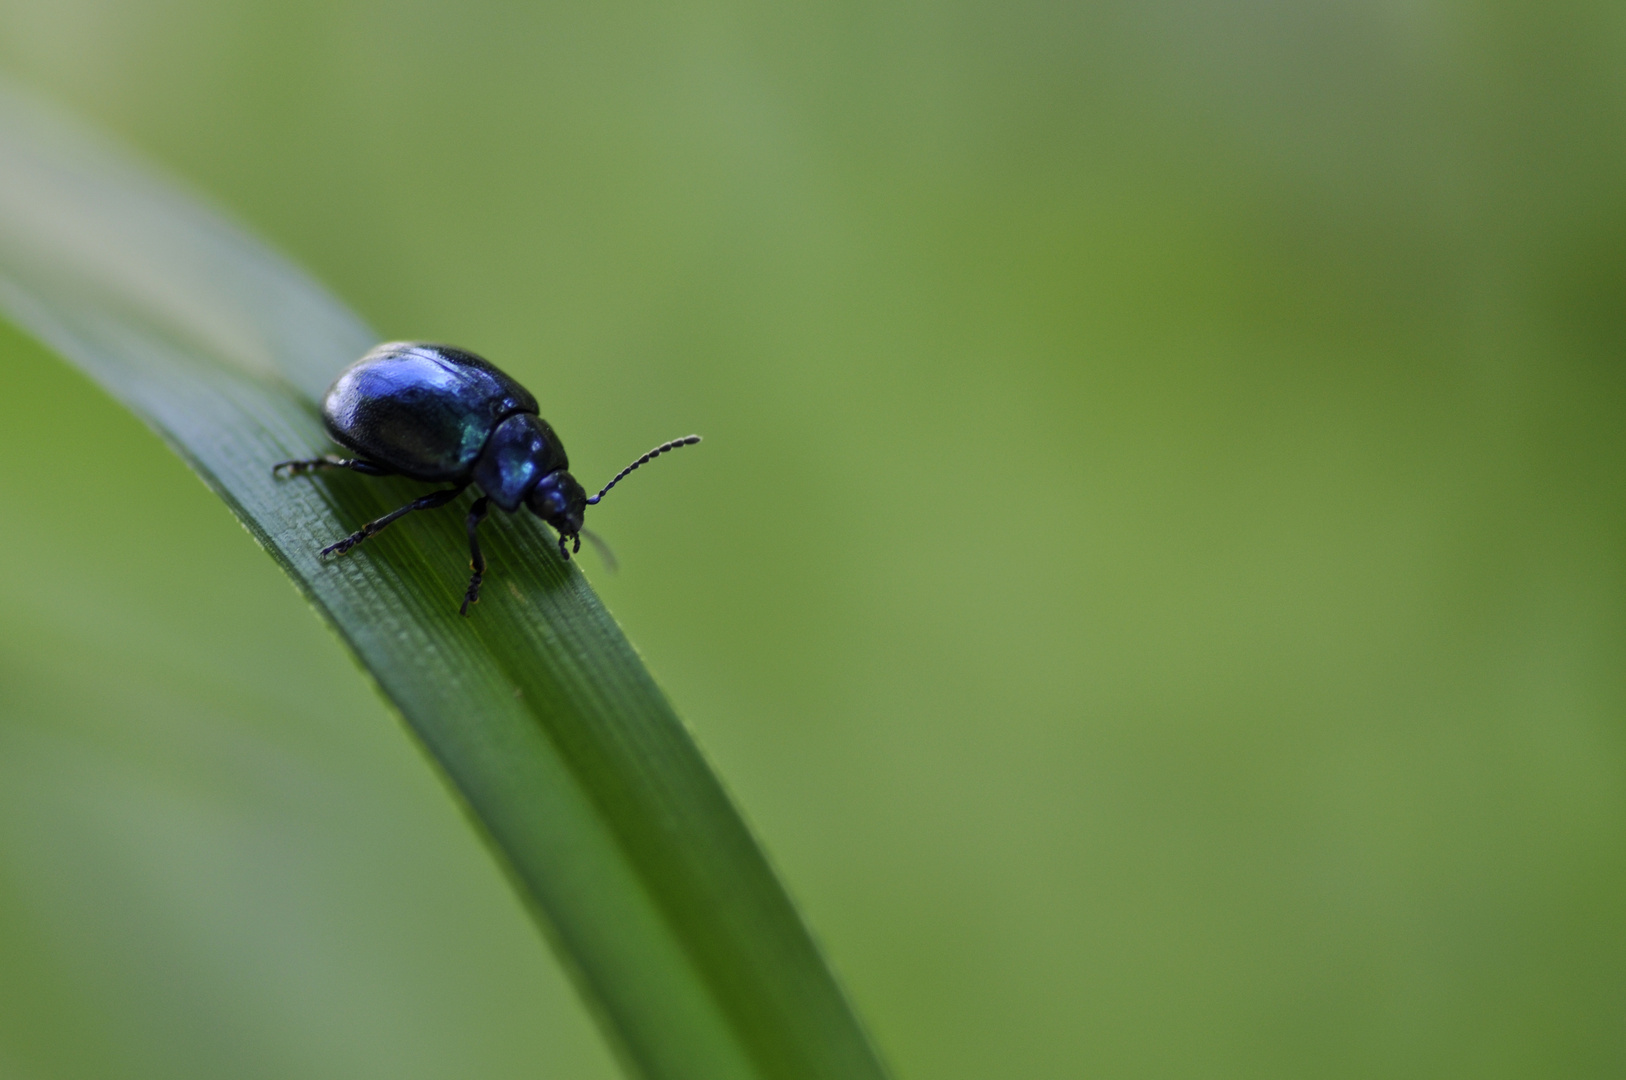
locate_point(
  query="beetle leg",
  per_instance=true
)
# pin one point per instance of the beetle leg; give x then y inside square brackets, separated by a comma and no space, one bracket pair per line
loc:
[372,528]
[326,461]
[477,561]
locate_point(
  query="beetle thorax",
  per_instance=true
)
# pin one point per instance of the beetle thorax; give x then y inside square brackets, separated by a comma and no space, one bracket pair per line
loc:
[521,452]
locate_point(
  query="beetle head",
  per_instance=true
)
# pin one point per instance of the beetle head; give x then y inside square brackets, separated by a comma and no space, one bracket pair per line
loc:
[560,501]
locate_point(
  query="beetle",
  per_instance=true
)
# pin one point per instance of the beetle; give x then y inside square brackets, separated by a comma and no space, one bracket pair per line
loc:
[443,414]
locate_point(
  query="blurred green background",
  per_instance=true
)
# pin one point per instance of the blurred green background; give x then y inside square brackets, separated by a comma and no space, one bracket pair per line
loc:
[1154,579]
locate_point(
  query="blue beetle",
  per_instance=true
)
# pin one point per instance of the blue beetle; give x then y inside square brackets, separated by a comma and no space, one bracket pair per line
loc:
[441,414]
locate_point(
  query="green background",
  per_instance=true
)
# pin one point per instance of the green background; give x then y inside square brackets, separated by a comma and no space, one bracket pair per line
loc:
[1154,579]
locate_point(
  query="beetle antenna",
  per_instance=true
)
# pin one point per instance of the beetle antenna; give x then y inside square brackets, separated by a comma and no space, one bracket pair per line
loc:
[611,563]
[687,440]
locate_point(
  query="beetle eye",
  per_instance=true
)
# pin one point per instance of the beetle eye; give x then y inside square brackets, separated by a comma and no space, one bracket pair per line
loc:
[547,501]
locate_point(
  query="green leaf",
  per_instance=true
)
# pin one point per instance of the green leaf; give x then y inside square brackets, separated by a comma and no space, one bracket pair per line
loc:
[544,720]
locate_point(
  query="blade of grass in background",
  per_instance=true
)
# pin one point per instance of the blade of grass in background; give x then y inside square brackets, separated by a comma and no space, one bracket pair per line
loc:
[536,708]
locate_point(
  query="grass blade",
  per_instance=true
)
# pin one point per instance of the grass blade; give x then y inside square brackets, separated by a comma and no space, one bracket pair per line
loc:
[537,709]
